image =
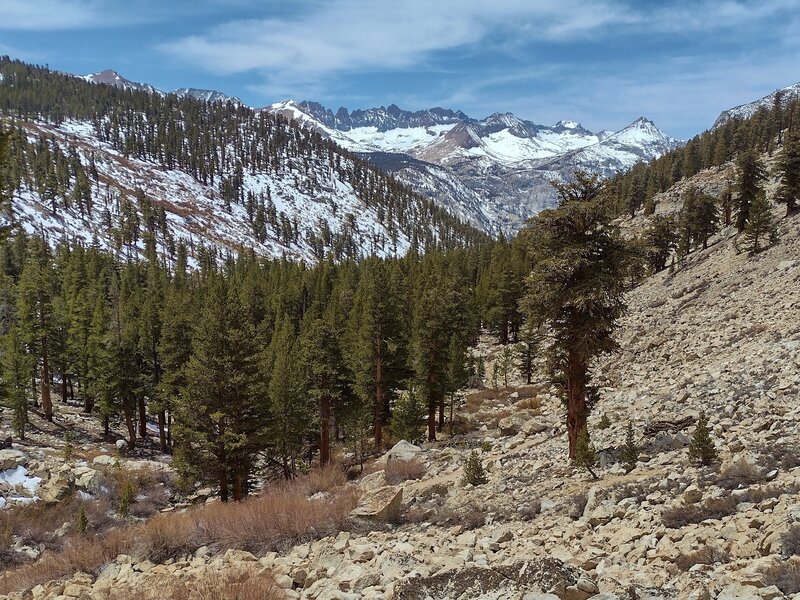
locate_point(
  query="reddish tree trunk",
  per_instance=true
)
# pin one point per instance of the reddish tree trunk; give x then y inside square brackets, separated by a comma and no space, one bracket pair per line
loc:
[576,402]
[162,434]
[64,388]
[380,409]
[131,427]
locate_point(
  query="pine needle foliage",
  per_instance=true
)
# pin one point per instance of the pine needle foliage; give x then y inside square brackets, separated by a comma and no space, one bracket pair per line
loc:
[585,453]
[629,452]
[474,473]
[701,447]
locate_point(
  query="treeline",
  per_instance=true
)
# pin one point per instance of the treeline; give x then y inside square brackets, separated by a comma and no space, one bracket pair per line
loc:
[218,144]
[764,132]
[246,362]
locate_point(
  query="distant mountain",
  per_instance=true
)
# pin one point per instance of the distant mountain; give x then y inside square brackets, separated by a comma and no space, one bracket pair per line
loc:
[496,172]
[111,77]
[745,111]
[206,95]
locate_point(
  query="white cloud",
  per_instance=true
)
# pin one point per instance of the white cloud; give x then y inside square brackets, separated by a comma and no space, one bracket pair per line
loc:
[43,15]
[357,36]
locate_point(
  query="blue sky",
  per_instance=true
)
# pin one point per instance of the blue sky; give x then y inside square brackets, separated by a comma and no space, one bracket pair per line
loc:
[603,63]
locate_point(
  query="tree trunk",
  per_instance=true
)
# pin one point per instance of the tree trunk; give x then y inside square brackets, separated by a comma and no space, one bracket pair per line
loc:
[142,417]
[131,427]
[162,434]
[222,477]
[440,424]
[169,429]
[106,428]
[64,388]
[35,389]
[47,403]
[325,430]
[576,402]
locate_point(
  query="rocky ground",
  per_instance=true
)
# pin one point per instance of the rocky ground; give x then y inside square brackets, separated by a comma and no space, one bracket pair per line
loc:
[721,333]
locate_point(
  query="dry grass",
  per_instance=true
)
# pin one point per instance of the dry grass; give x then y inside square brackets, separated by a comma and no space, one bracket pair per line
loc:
[784,575]
[739,474]
[232,584]
[790,541]
[281,516]
[398,471]
[707,555]
[322,480]
[714,508]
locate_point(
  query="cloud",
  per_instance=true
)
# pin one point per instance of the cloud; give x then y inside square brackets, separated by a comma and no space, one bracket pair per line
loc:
[44,15]
[357,36]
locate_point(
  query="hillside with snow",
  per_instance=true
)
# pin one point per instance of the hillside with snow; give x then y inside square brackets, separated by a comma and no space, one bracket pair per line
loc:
[745,111]
[495,172]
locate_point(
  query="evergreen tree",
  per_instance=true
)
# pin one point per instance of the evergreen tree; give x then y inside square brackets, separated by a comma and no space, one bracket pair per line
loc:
[530,341]
[788,169]
[408,417]
[474,473]
[16,371]
[577,288]
[457,371]
[750,177]
[629,452]
[759,229]
[35,310]
[292,414]
[701,446]
[221,416]
[661,239]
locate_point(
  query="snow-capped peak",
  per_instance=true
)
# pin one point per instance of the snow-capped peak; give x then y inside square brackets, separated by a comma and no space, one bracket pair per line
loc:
[568,124]
[111,77]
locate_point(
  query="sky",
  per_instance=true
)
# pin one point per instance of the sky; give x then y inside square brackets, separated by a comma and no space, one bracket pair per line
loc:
[603,63]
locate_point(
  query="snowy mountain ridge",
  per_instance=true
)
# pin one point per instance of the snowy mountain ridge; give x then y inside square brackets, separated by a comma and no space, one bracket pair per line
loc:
[496,171]
[745,111]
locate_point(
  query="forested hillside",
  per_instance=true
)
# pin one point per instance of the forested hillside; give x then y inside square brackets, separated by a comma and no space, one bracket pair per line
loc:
[120,167]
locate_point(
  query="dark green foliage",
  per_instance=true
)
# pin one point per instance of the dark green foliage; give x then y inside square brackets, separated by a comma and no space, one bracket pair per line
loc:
[408,418]
[750,176]
[585,453]
[629,451]
[530,341]
[582,268]
[604,422]
[126,498]
[788,170]
[759,231]
[474,473]
[660,238]
[701,447]
[698,221]
[16,377]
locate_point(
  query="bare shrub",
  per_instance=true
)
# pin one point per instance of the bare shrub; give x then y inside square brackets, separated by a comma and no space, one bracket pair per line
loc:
[776,490]
[739,474]
[281,516]
[321,480]
[398,471]
[714,508]
[784,575]
[707,555]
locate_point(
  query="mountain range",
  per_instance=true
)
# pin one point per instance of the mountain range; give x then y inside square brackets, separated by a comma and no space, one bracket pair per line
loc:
[495,172]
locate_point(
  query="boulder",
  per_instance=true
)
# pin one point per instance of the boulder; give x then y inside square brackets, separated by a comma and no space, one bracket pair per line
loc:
[692,494]
[373,481]
[534,426]
[58,487]
[122,445]
[513,423]
[403,450]
[381,504]
[11,459]
[104,460]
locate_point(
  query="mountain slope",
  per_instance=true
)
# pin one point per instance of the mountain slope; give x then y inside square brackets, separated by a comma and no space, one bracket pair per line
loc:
[503,164]
[215,175]
[745,111]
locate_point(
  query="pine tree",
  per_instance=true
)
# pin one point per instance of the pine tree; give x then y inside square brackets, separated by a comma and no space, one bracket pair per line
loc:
[585,453]
[457,371]
[750,176]
[701,447]
[788,169]
[35,310]
[408,417]
[530,341]
[759,230]
[629,452]
[292,413]
[505,364]
[661,238]
[16,371]
[474,473]
[577,286]
[221,417]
